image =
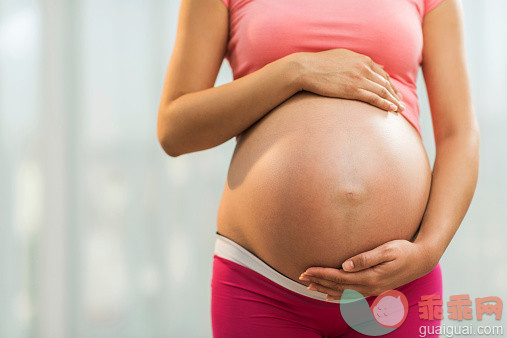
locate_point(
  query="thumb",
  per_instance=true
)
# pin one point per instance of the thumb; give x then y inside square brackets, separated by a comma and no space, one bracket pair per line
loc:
[366,259]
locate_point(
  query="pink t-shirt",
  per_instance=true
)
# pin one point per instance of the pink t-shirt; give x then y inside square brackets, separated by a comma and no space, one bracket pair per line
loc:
[388,31]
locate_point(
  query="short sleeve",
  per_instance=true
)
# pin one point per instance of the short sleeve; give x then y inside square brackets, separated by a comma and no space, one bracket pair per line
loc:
[428,5]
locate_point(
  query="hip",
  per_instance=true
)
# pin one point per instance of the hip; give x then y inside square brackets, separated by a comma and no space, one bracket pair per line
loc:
[250,298]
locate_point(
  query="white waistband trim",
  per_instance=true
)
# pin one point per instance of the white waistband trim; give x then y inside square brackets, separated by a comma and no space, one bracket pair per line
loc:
[228,249]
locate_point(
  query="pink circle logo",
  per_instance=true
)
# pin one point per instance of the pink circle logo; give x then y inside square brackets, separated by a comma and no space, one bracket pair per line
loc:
[390,308]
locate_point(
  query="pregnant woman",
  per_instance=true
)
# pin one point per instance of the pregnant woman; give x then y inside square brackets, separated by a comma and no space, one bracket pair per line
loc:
[329,187]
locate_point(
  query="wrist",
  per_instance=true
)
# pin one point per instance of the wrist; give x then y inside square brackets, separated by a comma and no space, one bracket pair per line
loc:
[297,68]
[429,253]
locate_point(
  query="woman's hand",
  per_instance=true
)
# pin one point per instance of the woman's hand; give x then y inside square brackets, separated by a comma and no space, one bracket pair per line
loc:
[343,73]
[386,267]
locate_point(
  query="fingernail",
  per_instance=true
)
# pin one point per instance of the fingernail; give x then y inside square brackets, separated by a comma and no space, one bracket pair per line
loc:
[304,278]
[402,106]
[393,107]
[348,265]
[311,287]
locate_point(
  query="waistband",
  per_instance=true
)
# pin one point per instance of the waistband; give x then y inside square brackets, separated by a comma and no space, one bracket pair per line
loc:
[228,249]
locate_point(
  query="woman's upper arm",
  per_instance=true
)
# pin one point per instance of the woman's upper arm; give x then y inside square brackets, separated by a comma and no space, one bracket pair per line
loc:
[445,70]
[199,49]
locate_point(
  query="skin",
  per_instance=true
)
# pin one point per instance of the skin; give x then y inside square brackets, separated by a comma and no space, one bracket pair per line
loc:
[454,174]
[194,115]
[321,179]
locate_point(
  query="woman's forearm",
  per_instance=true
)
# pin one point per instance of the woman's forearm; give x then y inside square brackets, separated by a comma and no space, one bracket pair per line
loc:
[453,184]
[204,119]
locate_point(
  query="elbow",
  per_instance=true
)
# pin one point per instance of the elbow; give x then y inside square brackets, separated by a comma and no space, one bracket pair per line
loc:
[474,136]
[466,140]
[166,137]
[469,134]
[168,146]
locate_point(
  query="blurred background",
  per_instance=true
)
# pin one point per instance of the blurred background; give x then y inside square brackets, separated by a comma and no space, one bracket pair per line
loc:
[101,233]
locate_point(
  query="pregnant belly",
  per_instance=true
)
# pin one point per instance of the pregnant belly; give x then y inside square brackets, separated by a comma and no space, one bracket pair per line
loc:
[318,180]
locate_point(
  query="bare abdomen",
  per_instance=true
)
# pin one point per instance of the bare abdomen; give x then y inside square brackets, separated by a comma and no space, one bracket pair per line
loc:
[318,180]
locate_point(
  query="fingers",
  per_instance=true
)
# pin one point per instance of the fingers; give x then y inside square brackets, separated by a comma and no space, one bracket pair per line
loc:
[367,259]
[387,84]
[325,289]
[332,288]
[380,76]
[324,282]
[380,87]
[379,69]
[337,276]
[336,293]
[374,99]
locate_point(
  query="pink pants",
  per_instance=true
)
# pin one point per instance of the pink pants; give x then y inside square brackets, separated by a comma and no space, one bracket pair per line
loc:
[246,303]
